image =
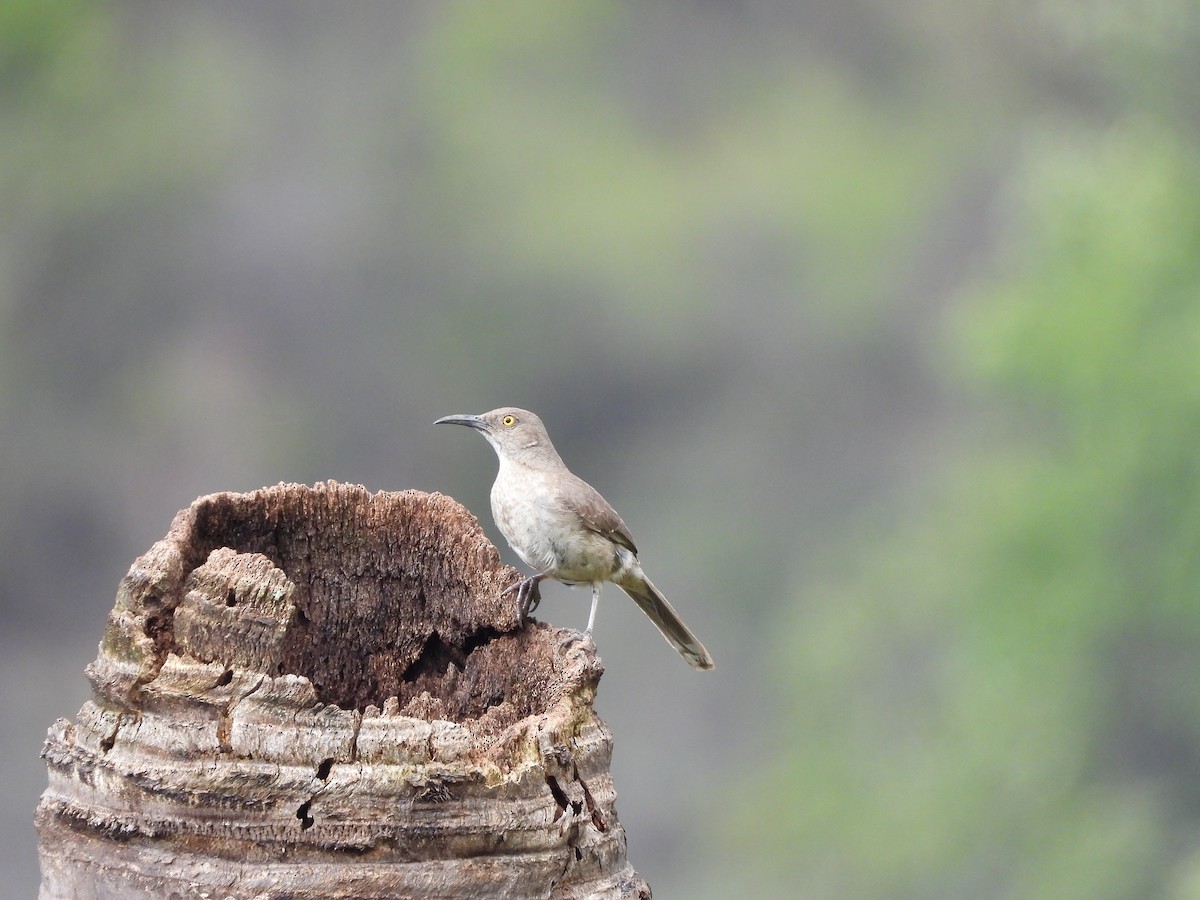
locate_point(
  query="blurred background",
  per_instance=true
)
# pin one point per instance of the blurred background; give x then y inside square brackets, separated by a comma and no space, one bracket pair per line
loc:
[879,323]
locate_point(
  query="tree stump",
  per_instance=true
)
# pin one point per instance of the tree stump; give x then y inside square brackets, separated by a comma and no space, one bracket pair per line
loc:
[317,692]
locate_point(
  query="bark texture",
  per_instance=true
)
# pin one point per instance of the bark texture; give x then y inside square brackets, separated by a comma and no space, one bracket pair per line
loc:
[317,692]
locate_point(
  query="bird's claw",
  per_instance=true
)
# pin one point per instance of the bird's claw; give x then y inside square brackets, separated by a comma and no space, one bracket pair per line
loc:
[575,637]
[529,596]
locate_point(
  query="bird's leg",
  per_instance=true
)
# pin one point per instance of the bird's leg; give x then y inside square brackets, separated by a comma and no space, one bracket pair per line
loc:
[529,595]
[596,585]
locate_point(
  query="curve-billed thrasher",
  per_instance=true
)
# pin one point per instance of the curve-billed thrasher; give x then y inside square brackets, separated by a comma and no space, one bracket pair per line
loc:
[561,526]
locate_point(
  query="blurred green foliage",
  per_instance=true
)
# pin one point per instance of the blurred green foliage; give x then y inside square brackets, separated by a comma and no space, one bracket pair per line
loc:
[84,130]
[999,697]
[561,173]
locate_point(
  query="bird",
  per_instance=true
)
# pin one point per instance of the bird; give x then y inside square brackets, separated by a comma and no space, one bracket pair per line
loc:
[560,526]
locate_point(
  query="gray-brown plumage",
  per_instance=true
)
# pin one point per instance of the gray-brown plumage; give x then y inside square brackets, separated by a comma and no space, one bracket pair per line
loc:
[561,526]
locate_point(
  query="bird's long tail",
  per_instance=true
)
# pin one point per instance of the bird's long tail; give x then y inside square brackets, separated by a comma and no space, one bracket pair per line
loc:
[663,615]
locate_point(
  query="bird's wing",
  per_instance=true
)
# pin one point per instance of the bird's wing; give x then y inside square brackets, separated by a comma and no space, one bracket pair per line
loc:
[594,512]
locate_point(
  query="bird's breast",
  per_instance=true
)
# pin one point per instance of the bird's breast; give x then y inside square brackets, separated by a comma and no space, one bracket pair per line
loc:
[546,534]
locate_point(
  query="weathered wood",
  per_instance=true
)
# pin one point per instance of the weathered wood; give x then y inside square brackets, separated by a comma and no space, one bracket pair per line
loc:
[319,693]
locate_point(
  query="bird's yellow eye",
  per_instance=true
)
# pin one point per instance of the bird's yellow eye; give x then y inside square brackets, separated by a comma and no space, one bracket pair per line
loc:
[509,421]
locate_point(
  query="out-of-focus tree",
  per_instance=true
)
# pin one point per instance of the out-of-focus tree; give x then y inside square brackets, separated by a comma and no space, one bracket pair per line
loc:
[997,699]
[101,141]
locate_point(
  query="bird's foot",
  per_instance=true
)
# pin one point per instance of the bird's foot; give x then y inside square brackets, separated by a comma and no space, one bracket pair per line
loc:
[529,596]
[575,637]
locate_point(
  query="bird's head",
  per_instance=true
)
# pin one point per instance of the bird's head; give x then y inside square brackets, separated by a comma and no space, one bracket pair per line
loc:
[511,431]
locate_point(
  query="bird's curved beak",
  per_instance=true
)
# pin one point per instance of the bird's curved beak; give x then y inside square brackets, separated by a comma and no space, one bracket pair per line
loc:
[470,421]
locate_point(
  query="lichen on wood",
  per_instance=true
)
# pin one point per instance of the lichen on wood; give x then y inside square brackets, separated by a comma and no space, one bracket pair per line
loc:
[319,692]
